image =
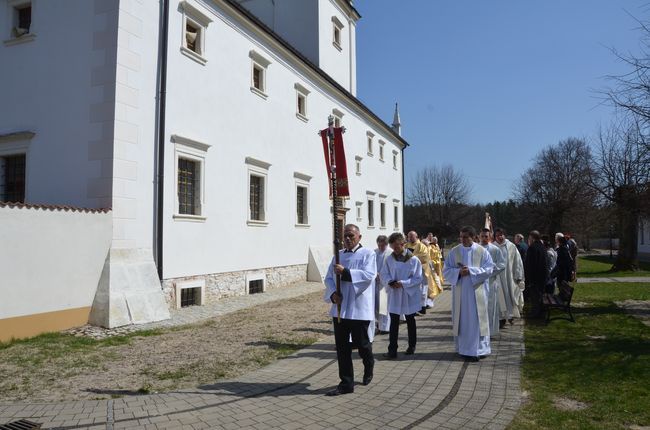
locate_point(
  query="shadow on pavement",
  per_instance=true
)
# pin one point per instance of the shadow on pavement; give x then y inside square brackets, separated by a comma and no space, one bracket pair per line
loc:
[260,389]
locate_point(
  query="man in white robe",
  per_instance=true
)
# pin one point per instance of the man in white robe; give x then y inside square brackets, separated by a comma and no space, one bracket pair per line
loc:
[468,268]
[511,298]
[401,275]
[381,298]
[358,270]
[495,283]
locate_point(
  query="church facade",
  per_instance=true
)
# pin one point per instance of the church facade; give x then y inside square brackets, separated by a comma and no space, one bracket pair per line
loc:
[194,123]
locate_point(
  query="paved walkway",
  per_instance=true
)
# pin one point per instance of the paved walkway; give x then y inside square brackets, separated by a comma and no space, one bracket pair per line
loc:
[645,279]
[431,389]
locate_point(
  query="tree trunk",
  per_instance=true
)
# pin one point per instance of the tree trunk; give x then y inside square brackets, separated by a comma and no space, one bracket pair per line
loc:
[628,217]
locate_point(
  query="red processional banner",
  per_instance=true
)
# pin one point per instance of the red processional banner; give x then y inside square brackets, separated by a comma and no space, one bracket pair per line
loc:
[342,188]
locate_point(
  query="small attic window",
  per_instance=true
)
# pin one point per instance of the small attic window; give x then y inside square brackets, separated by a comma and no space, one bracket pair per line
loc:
[193,37]
[22,20]
[337,29]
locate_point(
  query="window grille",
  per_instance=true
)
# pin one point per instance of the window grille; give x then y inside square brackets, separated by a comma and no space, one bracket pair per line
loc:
[256,286]
[188,187]
[190,296]
[13,178]
[301,204]
[257,198]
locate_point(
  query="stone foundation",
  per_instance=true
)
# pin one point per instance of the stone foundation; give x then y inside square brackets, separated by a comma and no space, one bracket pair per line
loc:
[231,284]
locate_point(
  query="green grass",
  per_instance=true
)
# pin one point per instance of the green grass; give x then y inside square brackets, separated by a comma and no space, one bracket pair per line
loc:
[593,266]
[602,360]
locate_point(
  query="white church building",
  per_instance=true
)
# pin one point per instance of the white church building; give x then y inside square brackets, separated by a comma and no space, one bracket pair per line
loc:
[157,154]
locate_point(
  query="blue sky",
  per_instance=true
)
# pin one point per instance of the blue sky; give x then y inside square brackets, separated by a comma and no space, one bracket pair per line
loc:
[484,85]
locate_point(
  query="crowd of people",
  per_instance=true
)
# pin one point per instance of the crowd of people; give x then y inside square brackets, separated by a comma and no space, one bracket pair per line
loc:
[490,277]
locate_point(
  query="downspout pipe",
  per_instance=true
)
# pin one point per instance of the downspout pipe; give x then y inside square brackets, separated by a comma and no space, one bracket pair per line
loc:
[160,134]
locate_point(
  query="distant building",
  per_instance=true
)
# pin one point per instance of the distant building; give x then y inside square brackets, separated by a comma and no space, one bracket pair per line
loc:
[644,239]
[90,109]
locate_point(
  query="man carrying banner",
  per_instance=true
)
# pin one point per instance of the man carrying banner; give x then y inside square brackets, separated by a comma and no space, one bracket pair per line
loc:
[468,267]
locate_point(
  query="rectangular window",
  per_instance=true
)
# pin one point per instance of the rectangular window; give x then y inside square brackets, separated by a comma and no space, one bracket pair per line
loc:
[301,105]
[394,160]
[301,205]
[256,198]
[382,214]
[337,35]
[190,297]
[357,165]
[359,211]
[369,145]
[371,213]
[24,19]
[258,77]
[189,187]
[193,37]
[396,216]
[12,178]
[381,150]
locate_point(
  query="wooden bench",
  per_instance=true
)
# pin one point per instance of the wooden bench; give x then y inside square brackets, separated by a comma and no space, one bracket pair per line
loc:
[561,301]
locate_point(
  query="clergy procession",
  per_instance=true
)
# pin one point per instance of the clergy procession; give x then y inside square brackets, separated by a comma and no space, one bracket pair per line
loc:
[373,292]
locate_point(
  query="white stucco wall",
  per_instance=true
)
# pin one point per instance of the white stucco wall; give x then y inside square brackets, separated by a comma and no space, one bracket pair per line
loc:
[47,87]
[213,104]
[50,260]
[333,61]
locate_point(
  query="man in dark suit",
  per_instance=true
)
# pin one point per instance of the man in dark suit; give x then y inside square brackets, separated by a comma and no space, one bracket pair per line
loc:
[536,272]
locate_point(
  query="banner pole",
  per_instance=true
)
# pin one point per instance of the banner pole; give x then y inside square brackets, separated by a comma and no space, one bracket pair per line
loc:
[336,241]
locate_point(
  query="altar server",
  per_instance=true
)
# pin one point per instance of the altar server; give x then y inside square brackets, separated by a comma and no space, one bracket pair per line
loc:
[401,275]
[358,270]
[511,298]
[495,282]
[381,298]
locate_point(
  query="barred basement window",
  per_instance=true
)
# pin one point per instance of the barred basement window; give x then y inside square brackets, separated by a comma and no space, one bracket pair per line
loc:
[12,178]
[256,286]
[189,186]
[256,198]
[190,296]
[301,204]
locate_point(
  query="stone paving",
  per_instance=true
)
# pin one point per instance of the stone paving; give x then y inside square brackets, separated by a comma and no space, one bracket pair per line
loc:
[432,389]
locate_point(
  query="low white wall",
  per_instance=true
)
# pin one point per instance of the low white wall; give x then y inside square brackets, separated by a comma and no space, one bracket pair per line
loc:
[50,259]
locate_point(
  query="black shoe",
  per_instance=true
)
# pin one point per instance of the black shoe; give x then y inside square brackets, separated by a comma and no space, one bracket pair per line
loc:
[512,321]
[338,391]
[502,323]
[381,332]
[410,351]
[428,306]
[389,355]
[482,357]
[423,310]
[367,378]
[470,358]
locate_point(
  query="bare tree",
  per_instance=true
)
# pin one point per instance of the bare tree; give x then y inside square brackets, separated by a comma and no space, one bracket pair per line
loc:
[621,176]
[439,193]
[556,183]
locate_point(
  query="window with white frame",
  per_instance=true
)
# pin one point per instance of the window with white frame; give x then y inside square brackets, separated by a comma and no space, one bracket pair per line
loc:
[357,165]
[395,160]
[302,199]
[190,173]
[359,208]
[381,150]
[337,33]
[369,138]
[20,20]
[257,191]
[301,101]
[259,66]
[195,24]
[338,117]
[371,212]
[13,166]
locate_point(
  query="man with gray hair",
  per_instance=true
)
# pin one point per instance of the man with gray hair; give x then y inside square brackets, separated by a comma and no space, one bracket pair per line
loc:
[358,269]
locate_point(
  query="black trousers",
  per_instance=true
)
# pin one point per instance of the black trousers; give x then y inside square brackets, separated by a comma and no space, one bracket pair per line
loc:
[359,331]
[394,332]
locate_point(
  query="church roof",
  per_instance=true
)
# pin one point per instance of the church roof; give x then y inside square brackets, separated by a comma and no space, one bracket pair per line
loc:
[253,19]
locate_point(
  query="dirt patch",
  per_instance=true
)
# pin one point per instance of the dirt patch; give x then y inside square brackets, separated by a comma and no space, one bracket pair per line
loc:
[637,308]
[70,368]
[566,404]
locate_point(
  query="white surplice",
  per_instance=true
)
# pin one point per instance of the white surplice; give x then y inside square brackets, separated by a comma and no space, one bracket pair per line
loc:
[510,297]
[381,296]
[495,286]
[470,298]
[358,294]
[406,269]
